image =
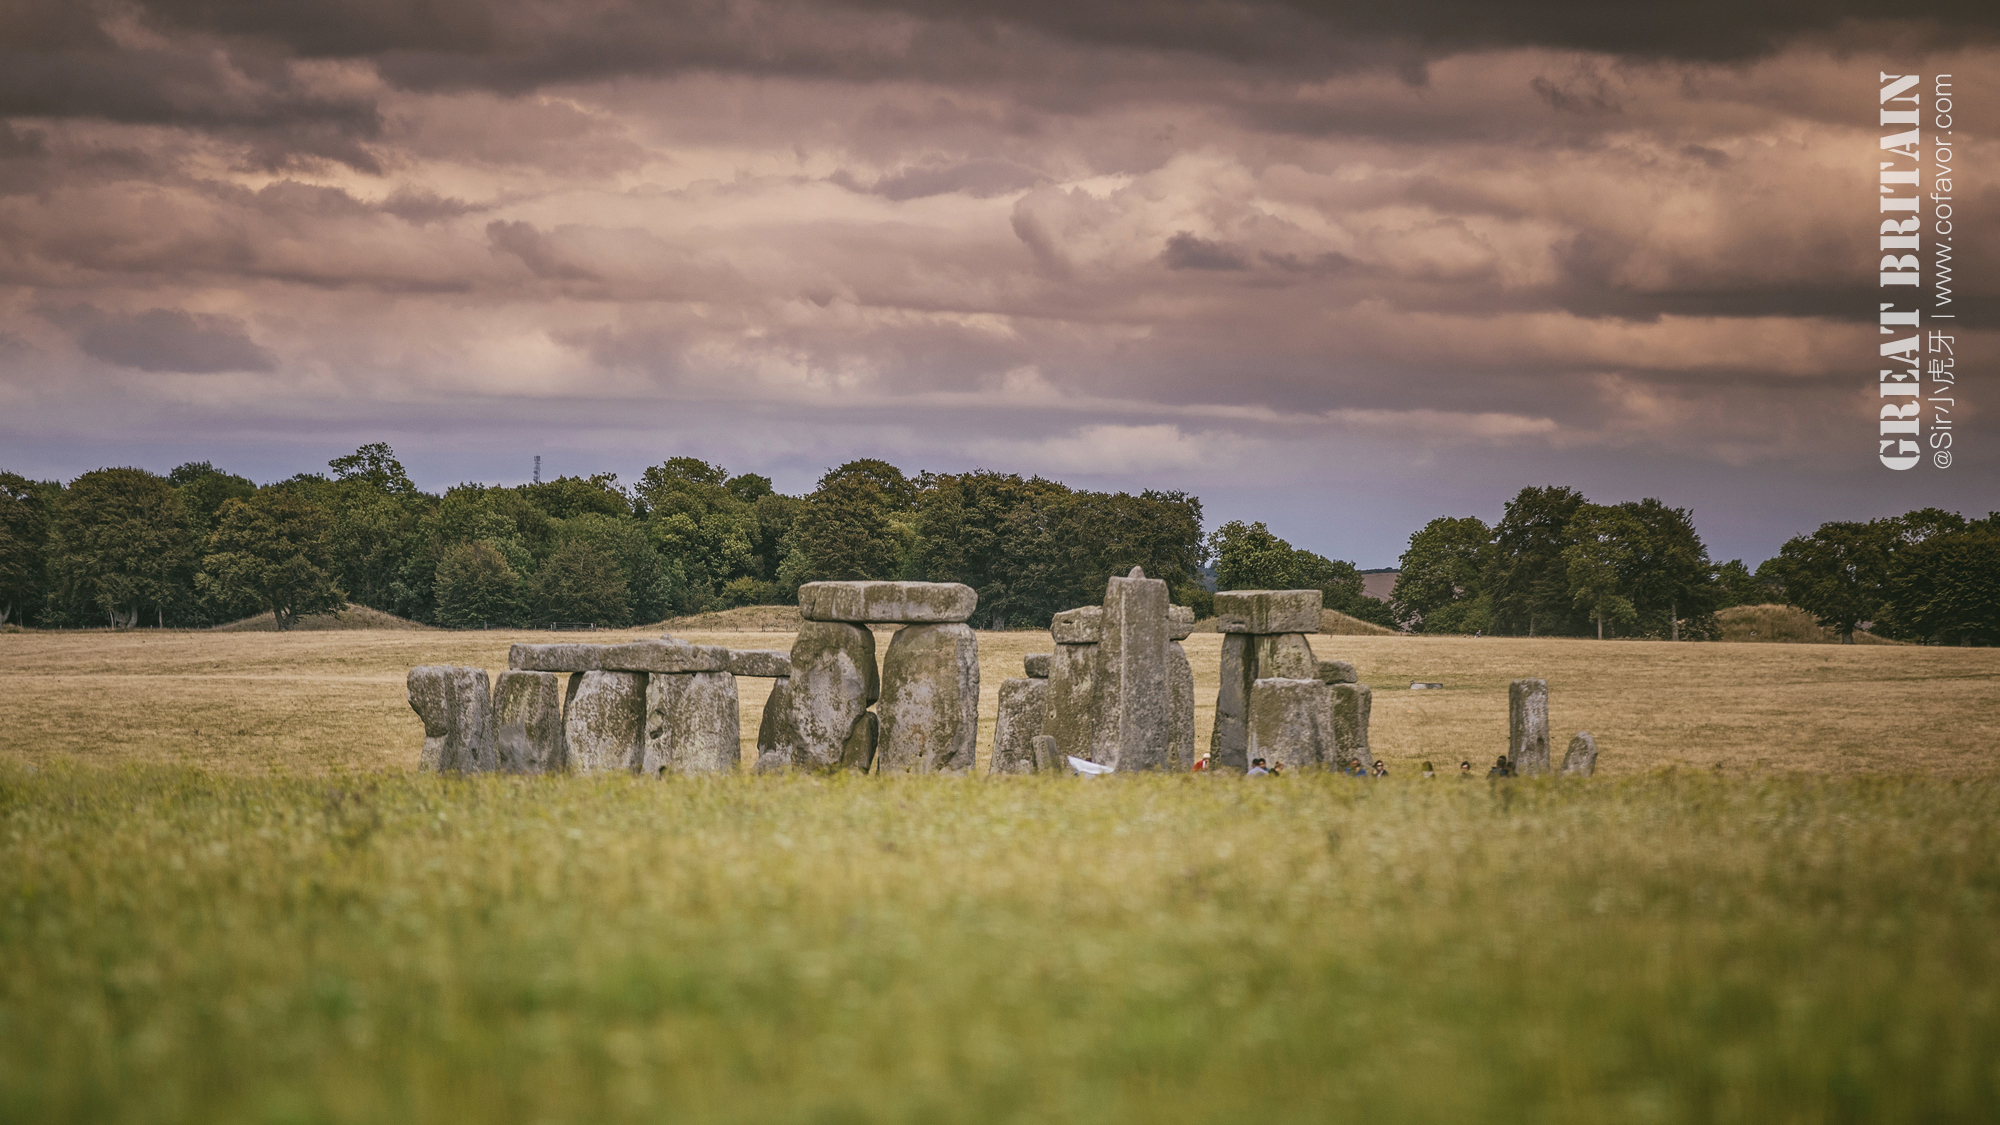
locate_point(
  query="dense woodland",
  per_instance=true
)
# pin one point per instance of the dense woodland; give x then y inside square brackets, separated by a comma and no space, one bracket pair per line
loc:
[126,548]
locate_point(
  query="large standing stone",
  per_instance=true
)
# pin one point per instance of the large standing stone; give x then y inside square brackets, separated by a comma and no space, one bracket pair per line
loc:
[1351,705]
[1180,695]
[1580,760]
[458,718]
[1073,699]
[1023,706]
[1288,722]
[692,724]
[888,603]
[1528,727]
[605,722]
[770,738]
[833,682]
[1285,656]
[1048,756]
[1134,731]
[528,726]
[930,700]
[1267,611]
[857,750]
[1229,742]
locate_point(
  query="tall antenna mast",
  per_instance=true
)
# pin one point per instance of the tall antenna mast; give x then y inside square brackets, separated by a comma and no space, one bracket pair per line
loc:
[538,468]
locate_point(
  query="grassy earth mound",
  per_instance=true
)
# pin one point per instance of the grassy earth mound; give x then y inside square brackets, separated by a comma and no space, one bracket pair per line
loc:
[352,617]
[1784,624]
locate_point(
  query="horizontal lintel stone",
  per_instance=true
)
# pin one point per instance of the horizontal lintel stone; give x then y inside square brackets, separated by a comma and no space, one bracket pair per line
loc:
[1081,626]
[888,603]
[1265,612]
[760,663]
[669,656]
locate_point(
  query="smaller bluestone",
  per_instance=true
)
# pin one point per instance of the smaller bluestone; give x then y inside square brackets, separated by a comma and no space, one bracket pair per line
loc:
[1580,760]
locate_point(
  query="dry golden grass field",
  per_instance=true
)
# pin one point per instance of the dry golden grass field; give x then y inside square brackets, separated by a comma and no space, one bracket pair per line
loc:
[333,701]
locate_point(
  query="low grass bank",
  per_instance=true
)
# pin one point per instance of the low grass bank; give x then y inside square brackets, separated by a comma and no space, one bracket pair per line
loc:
[187,947]
[1783,624]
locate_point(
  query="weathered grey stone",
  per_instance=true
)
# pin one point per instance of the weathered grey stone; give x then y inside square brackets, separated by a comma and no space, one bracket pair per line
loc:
[1528,727]
[1267,611]
[833,682]
[1073,699]
[857,750]
[1133,733]
[1284,656]
[1351,705]
[930,700]
[664,655]
[1338,672]
[891,603]
[1580,760]
[1023,705]
[1229,742]
[1288,719]
[1036,665]
[1180,622]
[1081,626]
[1048,756]
[604,724]
[771,758]
[1180,696]
[692,724]
[457,712]
[527,722]
[759,663]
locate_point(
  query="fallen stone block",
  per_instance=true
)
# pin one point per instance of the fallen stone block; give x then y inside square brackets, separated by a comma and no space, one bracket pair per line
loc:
[1036,665]
[527,722]
[1180,696]
[833,682]
[604,723]
[1528,727]
[758,663]
[888,603]
[1267,611]
[1580,760]
[1023,705]
[1288,722]
[667,655]
[1081,626]
[692,724]
[1338,672]
[1229,741]
[770,757]
[930,700]
[1180,622]
[1351,705]
[1284,656]
[1073,699]
[457,712]
[1133,732]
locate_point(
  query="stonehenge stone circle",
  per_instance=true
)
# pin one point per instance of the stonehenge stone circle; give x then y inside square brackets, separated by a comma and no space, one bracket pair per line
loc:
[604,721]
[887,603]
[528,726]
[1580,760]
[1036,665]
[1288,722]
[1351,704]
[1267,612]
[692,725]
[1017,725]
[833,683]
[930,700]
[457,712]
[1528,727]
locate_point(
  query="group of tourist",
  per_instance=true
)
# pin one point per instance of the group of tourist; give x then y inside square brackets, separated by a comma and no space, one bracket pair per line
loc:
[1353,767]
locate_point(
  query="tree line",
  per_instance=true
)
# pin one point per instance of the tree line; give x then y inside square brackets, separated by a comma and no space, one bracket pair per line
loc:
[1558,565]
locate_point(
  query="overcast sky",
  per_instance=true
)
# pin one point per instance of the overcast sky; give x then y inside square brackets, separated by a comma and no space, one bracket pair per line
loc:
[1340,271]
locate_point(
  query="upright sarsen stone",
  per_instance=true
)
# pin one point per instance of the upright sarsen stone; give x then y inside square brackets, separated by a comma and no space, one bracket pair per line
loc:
[457,712]
[527,720]
[1023,706]
[604,723]
[1580,760]
[1528,727]
[692,724]
[1288,722]
[1073,699]
[1229,742]
[770,729]
[1133,730]
[1180,694]
[1351,705]
[833,682]
[930,700]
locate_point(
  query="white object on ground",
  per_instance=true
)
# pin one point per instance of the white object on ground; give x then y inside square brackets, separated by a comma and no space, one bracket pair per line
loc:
[1078,765]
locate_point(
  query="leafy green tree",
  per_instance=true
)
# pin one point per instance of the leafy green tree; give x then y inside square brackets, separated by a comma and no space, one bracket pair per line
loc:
[703,524]
[1946,586]
[374,465]
[1598,560]
[24,541]
[1249,557]
[1668,579]
[1737,585]
[1098,535]
[651,586]
[992,531]
[1441,582]
[898,493]
[272,552]
[580,582]
[565,497]
[477,586]
[203,488]
[119,543]
[845,532]
[1837,573]
[1529,583]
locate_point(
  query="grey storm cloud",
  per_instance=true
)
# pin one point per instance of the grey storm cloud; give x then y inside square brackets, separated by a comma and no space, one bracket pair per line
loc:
[167,340]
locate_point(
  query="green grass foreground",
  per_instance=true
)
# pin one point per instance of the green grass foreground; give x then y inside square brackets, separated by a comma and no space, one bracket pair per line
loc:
[184,947]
